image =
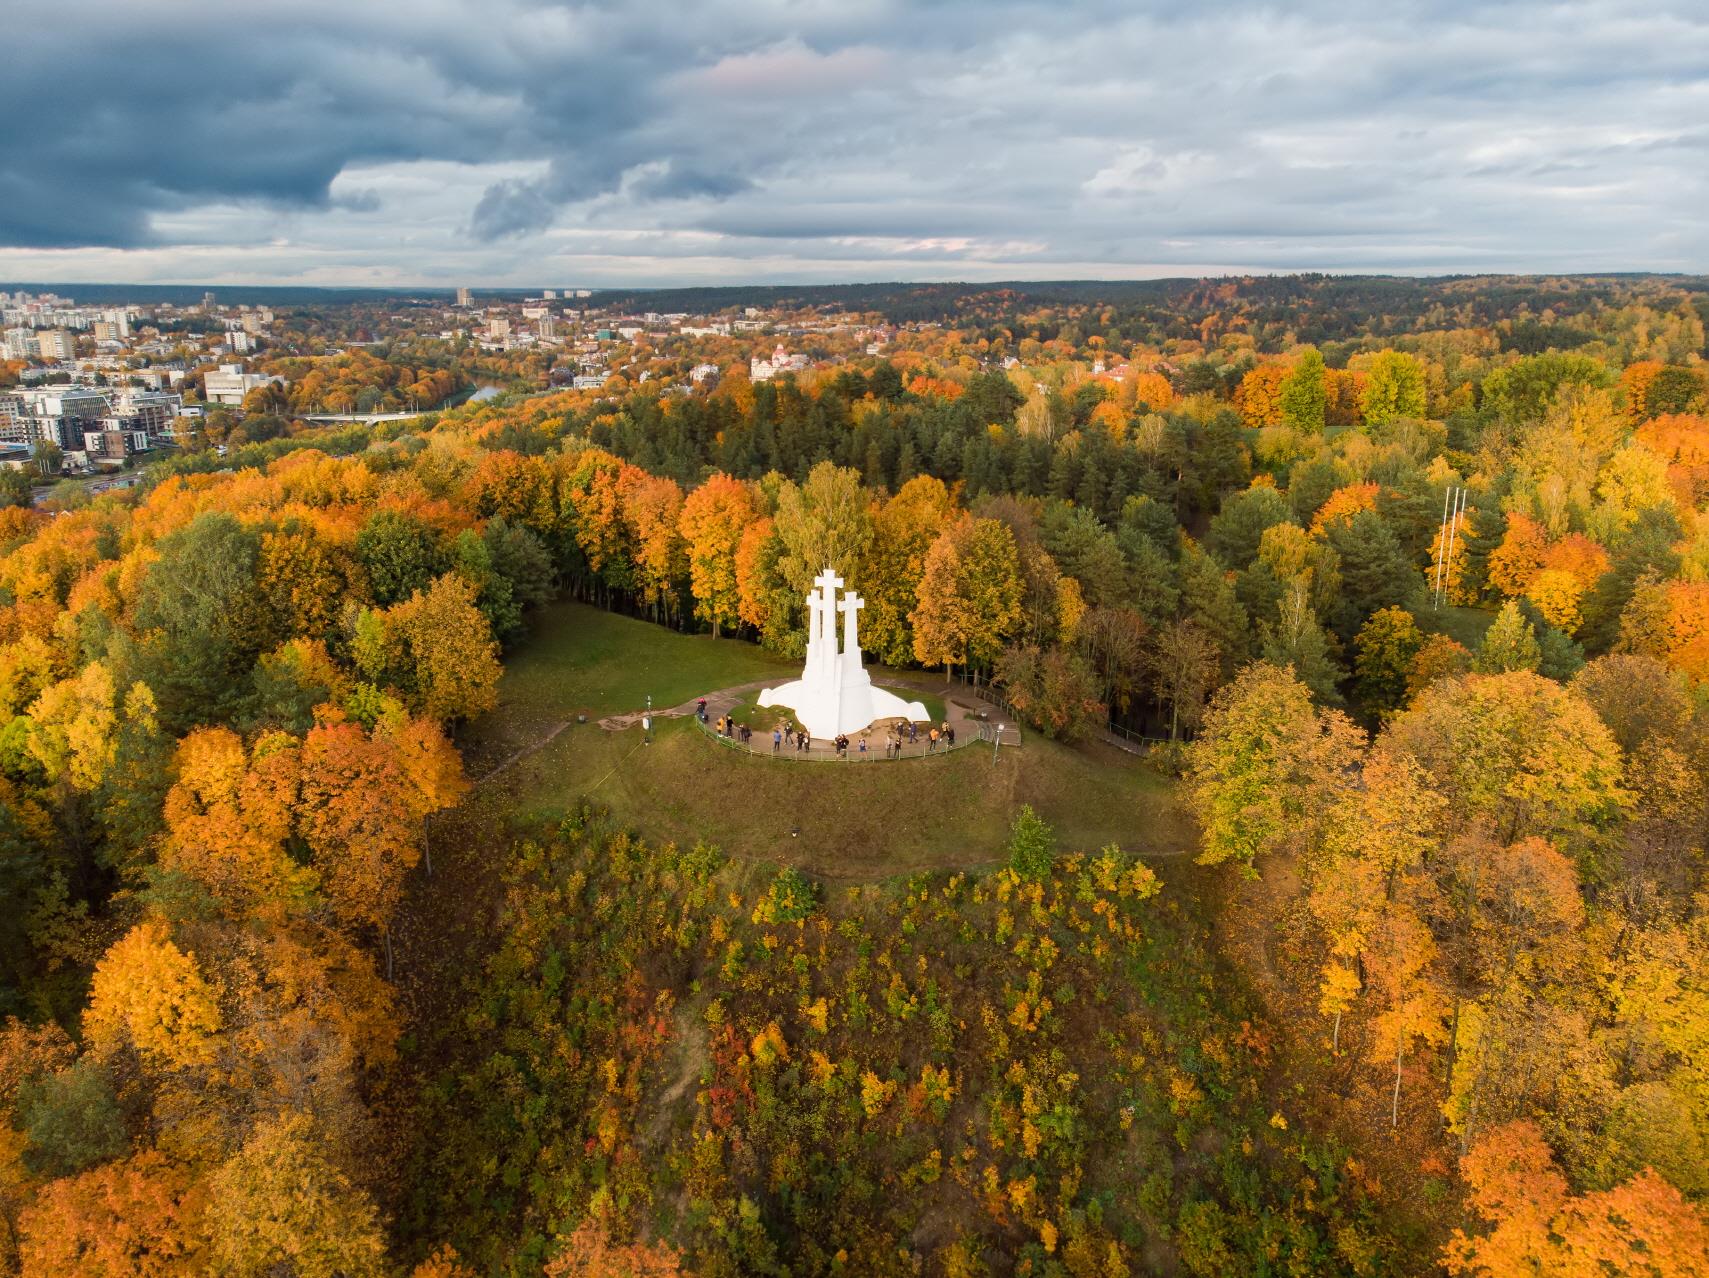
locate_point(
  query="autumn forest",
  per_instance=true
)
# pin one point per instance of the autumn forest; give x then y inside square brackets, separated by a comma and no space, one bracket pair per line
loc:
[1394,592]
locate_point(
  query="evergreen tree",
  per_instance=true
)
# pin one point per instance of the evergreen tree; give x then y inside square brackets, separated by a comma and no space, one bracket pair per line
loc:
[1311,483]
[1207,595]
[1297,640]
[1152,584]
[72,1119]
[1239,526]
[1375,571]
[1560,656]
[400,555]
[1223,463]
[202,620]
[1648,548]
[1032,845]
[1481,530]
[1145,519]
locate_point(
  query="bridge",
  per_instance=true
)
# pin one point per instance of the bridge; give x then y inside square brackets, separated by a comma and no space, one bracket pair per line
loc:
[366,419]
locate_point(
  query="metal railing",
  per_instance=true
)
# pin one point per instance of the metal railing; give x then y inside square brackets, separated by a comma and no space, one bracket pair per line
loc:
[1139,738]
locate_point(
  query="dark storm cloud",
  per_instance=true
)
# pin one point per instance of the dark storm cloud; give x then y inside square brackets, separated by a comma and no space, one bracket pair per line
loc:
[810,136]
[511,207]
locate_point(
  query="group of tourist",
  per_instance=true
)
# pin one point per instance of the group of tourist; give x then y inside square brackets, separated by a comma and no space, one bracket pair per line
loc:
[941,737]
[798,740]
[729,729]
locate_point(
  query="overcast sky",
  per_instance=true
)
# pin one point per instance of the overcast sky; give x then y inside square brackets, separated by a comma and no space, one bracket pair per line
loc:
[496,142]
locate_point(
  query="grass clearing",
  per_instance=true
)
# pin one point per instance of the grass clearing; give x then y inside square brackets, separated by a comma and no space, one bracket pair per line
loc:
[857,820]
[580,660]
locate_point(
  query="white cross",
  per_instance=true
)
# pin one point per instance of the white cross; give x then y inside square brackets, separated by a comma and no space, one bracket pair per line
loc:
[851,606]
[829,582]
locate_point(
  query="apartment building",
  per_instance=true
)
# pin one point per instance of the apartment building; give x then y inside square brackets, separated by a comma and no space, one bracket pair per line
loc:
[56,343]
[231,384]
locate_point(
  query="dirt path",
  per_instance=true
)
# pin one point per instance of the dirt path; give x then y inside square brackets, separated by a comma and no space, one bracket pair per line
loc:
[518,755]
[717,703]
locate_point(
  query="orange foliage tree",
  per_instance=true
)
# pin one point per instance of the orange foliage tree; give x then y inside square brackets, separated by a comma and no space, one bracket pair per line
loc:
[758,545]
[151,995]
[1152,390]
[714,517]
[1519,557]
[1259,395]
[139,1218]
[651,509]
[1344,393]
[589,1252]
[1343,504]
[1636,381]
[363,798]
[1681,440]
[1641,1228]
[229,814]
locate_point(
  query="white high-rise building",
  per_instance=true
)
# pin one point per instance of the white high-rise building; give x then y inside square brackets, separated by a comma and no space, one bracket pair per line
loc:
[231,384]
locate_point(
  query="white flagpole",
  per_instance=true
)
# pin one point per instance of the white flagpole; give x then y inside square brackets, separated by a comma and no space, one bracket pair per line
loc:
[1441,547]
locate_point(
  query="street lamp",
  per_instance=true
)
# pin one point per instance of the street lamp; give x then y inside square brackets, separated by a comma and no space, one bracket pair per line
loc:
[996,742]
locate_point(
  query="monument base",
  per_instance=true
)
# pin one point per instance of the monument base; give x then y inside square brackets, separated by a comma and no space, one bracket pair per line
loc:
[830,712]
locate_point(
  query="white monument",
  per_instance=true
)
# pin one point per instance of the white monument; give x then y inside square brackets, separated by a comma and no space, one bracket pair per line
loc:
[834,693]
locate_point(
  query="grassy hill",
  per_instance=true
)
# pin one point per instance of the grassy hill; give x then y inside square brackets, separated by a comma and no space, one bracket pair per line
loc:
[854,820]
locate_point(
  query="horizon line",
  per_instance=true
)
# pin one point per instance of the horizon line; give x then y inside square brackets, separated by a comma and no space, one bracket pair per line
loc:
[1232,274]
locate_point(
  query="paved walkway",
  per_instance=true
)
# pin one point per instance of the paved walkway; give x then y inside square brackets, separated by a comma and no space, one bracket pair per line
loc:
[970,716]
[717,704]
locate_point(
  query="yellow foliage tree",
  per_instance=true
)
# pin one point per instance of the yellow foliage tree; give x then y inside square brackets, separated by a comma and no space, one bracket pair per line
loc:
[279,1206]
[150,994]
[450,651]
[74,724]
[1557,594]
